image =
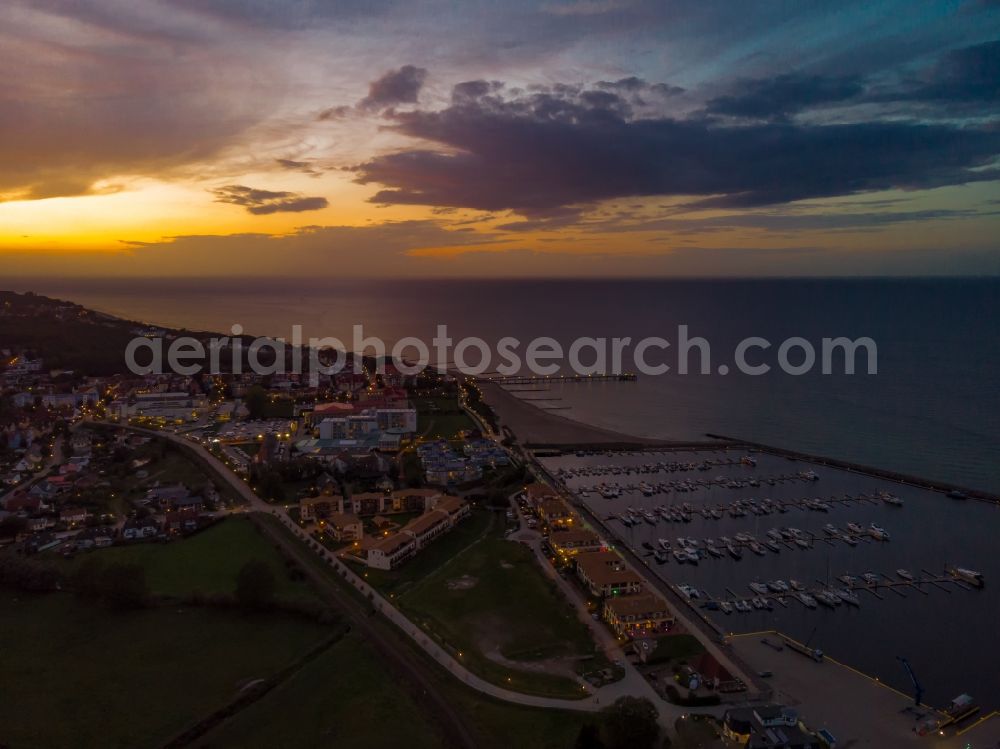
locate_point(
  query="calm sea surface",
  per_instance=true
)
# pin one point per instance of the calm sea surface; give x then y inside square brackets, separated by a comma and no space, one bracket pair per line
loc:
[933,409]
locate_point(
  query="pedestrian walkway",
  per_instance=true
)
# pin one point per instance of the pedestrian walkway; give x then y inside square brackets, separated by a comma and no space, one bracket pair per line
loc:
[597,698]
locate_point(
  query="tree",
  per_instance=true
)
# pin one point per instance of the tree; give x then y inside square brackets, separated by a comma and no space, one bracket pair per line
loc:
[255,401]
[255,585]
[589,738]
[12,525]
[630,723]
[271,487]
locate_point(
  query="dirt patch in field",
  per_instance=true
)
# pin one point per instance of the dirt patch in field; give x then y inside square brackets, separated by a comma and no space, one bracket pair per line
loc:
[465,582]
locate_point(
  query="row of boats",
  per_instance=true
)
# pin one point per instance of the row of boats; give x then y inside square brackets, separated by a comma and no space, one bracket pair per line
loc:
[776,590]
[830,596]
[646,469]
[691,550]
[855,531]
[615,490]
[684,513]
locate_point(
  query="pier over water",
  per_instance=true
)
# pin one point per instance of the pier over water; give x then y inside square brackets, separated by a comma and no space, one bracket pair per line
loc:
[530,379]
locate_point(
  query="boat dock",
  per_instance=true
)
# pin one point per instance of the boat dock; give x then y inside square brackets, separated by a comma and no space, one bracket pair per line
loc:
[822,594]
[844,465]
[529,379]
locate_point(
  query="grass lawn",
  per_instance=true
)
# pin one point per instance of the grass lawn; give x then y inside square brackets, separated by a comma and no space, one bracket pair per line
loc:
[492,597]
[676,647]
[344,697]
[207,562]
[439,417]
[499,725]
[77,675]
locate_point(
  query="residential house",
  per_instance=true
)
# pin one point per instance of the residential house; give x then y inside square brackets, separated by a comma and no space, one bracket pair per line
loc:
[643,615]
[427,527]
[455,508]
[605,574]
[415,500]
[343,526]
[556,514]
[190,502]
[388,553]
[73,515]
[43,523]
[181,521]
[163,496]
[320,507]
[369,503]
[91,538]
[421,531]
[137,529]
[568,543]
[537,493]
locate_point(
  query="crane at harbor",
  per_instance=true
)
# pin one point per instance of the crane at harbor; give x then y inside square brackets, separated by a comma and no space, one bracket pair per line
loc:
[918,691]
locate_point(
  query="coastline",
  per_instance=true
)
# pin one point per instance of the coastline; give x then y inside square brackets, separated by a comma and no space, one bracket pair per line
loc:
[535,426]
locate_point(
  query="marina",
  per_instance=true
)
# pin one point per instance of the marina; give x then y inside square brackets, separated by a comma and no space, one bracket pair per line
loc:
[823,593]
[753,541]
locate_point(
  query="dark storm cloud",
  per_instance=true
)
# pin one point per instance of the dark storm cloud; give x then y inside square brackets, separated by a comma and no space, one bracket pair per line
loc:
[539,153]
[395,87]
[261,202]
[640,89]
[784,95]
[971,74]
[969,77]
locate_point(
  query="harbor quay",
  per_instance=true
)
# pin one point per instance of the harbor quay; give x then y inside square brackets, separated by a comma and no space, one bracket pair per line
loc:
[834,558]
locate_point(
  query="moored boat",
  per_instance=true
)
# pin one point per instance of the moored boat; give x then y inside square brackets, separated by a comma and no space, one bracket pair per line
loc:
[878,533]
[966,575]
[807,600]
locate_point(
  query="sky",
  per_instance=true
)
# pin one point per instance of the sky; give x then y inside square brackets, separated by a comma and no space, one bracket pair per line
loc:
[377,138]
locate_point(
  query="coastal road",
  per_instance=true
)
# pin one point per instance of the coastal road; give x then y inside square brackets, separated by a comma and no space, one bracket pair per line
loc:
[633,683]
[595,700]
[686,616]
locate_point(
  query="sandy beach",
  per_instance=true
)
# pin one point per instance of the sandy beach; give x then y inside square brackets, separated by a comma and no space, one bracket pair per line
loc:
[533,425]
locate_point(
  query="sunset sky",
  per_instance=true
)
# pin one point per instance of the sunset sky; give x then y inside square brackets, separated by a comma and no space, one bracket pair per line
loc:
[598,137]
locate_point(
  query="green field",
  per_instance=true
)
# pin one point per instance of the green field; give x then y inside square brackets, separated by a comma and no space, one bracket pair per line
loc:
[77,675]
[207,562]
[476,601]
[345,696]
[499,725]
[439,417]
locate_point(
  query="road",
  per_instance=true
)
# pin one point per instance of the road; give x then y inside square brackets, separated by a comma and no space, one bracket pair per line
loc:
[596,700]
[633,683]
[690,619]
